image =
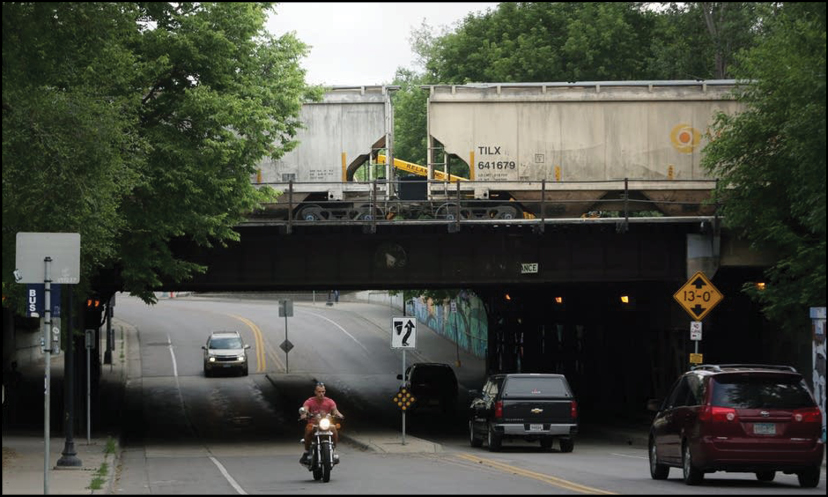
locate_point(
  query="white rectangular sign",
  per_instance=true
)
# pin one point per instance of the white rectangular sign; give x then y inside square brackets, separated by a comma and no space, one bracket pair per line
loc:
[695,330]
[33,248]
[403,333]
[528,267]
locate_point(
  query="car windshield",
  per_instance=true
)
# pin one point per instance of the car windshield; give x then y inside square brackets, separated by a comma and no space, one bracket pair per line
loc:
[537,386]
[760,392]
[226,343]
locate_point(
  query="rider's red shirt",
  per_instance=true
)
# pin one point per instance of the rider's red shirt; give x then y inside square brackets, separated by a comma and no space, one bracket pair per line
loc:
[314,407]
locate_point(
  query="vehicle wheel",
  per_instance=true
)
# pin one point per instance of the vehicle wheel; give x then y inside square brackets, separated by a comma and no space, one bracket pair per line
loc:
[244,371]
[474,441]
[657,471]
[317,474]
[567,445]
[325,454]
[546,443]
[809,478]
[692,474]
[765,475]
[206,373]
[495,440]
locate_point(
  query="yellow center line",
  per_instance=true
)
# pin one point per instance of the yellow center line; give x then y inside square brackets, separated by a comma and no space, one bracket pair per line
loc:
[551,480]
[260,348]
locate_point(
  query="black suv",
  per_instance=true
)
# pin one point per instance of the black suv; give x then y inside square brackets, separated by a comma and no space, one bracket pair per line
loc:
[741,418]
[432,384]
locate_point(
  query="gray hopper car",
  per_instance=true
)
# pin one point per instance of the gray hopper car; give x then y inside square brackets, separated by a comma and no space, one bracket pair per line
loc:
[533,150]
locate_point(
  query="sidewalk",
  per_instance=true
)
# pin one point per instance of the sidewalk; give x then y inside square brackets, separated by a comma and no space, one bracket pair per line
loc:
[24,452]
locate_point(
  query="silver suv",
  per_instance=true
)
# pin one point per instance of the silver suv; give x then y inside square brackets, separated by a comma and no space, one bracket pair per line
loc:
[225,351]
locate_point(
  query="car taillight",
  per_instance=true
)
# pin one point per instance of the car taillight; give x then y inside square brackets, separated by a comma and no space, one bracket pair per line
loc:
[808,415]
[499,409]
[718,414]
[573,409]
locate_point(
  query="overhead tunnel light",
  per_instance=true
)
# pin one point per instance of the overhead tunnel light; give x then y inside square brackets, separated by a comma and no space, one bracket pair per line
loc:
[559,300]
[625,299]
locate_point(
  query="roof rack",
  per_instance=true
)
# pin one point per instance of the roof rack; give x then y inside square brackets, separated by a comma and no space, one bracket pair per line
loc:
[718,367]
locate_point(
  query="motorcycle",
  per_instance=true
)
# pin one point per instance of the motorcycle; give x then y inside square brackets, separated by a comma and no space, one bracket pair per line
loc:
[323,456]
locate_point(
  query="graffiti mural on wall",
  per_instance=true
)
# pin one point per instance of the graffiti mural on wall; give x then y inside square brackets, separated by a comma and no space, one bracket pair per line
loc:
[467,326]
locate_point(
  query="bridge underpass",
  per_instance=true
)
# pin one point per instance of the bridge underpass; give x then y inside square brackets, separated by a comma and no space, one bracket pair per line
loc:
[616,355]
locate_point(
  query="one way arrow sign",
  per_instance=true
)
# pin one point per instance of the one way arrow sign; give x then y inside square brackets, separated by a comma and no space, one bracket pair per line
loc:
[403,333]
[698,296]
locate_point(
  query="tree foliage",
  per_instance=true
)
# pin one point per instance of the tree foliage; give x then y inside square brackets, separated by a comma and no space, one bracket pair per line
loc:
[771,160]
[135,124]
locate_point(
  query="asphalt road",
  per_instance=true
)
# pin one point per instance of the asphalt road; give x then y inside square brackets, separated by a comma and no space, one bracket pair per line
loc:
[187,434]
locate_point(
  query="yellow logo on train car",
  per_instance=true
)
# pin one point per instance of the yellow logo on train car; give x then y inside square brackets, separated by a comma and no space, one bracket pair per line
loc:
[685,138]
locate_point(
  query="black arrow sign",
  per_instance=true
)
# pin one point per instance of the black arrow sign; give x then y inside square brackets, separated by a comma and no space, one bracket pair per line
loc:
[698,310]
[398,327]
[699,283]
[408,327]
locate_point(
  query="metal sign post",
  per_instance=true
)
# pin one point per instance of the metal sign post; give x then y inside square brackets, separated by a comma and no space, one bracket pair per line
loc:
[698,296]
[47,252]
[286,310]
[403,336]
[89,342]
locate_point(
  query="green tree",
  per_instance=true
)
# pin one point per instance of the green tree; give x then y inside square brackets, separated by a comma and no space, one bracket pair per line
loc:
[771,161]
[136,124]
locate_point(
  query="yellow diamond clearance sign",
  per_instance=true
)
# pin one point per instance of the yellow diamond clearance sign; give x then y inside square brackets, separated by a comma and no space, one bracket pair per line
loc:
[698,296]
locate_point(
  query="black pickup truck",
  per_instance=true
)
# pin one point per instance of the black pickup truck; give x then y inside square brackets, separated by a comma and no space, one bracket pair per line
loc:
[529,406]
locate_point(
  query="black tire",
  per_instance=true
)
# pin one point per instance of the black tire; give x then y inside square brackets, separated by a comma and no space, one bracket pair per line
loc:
[692,474]
[244,371]
[567,445]
[474,441]
[495,440]
[808,478]
[325,454]
[657,471]
[546,443]
[317,474]
[765,475]
[207,373]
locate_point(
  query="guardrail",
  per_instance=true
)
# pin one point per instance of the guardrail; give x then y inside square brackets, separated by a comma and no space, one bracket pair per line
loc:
[541,202]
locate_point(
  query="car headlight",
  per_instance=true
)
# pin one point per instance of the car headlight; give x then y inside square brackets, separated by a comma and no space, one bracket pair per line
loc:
[212,359]
[325,423]
[240,358]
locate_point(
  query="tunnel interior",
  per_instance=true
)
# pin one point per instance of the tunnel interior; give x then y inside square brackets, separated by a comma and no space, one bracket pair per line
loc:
[618,355]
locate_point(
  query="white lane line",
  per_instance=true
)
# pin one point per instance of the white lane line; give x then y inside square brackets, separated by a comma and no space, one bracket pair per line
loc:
[340,327]
[227,476]
[183,408]
[175,365]
[627,455]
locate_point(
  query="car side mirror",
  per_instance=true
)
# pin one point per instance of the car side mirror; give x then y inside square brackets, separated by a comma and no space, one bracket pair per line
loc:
[654,404]
[399,376]
[203,347]
[247,346]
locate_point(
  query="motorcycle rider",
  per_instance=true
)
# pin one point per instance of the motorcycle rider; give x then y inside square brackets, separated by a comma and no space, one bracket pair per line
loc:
[318,404]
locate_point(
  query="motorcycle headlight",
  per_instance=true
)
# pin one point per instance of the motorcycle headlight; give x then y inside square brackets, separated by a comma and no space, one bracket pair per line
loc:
[325,424]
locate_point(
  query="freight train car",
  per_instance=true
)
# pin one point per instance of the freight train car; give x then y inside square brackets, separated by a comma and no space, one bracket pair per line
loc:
[567,149]
[543,150]
[341,133]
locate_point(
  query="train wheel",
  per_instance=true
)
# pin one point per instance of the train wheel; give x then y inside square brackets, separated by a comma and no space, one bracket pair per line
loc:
[310,213]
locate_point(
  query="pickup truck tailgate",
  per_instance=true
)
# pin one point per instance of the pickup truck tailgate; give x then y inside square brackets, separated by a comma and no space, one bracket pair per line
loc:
[537,411]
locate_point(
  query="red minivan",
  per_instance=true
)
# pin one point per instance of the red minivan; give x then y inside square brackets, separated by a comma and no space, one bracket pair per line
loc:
[740,418]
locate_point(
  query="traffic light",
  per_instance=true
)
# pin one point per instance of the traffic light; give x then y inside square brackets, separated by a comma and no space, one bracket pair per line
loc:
[93,312]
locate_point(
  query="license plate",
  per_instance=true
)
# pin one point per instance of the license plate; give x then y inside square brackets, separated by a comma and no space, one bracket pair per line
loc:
[764,428]
[535,427]
[226,365]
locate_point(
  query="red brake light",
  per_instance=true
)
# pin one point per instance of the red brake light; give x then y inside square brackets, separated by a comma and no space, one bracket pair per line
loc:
[808,415]
[718,414]
[498,409]
[573,409]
